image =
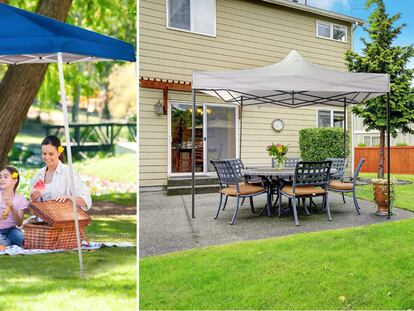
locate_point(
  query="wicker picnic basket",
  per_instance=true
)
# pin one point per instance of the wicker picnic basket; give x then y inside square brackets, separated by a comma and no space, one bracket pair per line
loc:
[58,229]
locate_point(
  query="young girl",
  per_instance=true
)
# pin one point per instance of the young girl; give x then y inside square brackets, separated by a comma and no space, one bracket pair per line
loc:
[11,208]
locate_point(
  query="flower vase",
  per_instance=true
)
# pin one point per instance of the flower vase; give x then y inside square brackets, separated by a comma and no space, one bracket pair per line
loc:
[279,163]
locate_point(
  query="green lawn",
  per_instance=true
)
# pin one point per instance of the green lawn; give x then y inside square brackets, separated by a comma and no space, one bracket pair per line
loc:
[121,168]
[125,199]
[404,192]
[361,268]
[29,139]
[51,282]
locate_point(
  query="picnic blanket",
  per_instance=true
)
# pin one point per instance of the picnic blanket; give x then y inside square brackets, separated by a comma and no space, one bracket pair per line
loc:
[17,250]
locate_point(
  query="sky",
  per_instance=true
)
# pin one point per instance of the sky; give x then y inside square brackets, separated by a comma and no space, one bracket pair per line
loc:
[356,8]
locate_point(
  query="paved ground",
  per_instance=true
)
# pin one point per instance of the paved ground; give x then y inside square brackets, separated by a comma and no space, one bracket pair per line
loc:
[166,224]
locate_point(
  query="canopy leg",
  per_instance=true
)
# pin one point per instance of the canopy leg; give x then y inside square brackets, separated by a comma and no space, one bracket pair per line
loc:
[388,154]
[193,164]
[69,154]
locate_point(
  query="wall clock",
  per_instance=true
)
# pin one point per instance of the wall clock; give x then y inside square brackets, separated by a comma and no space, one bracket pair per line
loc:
[278,125]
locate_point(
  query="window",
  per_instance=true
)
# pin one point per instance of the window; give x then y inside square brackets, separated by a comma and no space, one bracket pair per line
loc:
[330,118]
[197,16]
[367,140]
[375,141]
[338,119]
[331,31]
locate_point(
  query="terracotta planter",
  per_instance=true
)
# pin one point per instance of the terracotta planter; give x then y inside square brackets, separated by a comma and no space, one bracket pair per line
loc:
[381,198]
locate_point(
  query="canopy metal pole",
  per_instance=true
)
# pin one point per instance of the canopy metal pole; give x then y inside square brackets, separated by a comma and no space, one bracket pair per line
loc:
[389,154]
[69,154]
[345,127]
[241,127]
[193,154]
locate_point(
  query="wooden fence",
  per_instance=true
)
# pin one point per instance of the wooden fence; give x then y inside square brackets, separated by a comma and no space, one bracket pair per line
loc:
[402,159]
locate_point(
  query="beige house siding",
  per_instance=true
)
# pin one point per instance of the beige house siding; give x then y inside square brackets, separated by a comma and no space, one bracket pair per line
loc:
[248,34]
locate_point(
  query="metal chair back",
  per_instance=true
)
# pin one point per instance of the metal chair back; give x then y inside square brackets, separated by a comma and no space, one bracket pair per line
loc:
[356,173]
[291,162]
[312,173]
[339,164]
[237,165]
[225,172]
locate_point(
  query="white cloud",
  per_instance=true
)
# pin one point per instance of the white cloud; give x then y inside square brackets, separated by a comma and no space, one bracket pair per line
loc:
[329,4]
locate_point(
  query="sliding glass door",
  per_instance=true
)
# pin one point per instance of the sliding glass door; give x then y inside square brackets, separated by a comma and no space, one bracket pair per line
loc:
[215,136]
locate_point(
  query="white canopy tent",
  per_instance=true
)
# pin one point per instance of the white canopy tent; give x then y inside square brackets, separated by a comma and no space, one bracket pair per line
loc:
[293,83]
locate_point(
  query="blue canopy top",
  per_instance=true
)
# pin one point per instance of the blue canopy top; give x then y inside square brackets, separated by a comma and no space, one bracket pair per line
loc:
[27,37]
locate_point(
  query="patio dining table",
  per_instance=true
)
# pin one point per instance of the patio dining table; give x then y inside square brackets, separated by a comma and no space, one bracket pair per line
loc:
[273,179]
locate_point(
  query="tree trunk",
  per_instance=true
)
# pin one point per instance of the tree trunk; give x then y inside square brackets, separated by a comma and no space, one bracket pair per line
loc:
[75,106]
[381,154]
[21,83]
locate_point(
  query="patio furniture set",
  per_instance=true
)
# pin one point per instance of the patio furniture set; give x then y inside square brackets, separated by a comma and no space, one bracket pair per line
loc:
[297,181]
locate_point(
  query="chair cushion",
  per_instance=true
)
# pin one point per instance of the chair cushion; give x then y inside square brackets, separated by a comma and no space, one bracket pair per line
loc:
[303,191]
[339,185]
[244,190]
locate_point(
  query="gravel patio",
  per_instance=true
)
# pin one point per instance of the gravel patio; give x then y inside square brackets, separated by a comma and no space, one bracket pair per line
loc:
[165,223]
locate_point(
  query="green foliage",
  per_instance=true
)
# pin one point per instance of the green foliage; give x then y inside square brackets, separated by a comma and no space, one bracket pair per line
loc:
[362,145]
[402,144]
[317,144]
[381,56]
[122,91]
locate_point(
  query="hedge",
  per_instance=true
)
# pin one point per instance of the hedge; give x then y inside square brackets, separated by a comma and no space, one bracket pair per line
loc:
[317,144]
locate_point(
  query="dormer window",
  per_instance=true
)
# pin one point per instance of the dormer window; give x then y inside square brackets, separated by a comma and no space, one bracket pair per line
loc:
[198,16]
[331,31]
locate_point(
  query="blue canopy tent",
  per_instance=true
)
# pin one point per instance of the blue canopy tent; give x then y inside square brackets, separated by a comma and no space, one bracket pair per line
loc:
[27,37]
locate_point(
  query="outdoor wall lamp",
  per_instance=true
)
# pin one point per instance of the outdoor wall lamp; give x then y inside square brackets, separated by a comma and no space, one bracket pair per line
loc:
[158,108]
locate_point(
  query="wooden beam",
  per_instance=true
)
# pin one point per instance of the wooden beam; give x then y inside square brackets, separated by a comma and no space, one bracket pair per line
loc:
[170,85]
[165,86]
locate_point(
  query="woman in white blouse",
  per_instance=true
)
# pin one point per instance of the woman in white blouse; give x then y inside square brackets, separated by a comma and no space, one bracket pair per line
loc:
[56,178]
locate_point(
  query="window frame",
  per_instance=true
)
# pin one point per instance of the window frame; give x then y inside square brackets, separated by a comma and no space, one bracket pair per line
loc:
[331,31]
[167,21]
[331,111]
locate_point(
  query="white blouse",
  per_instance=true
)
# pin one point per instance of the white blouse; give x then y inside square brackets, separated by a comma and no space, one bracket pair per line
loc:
[60,185]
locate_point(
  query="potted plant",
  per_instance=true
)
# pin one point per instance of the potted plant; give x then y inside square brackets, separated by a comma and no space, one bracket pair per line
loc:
[278,152]
[380,187]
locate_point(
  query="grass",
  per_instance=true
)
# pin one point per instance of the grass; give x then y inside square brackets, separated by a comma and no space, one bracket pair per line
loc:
[125,199]
[51,282]
[404,192]
[361,268]
[29,139]
[121,168]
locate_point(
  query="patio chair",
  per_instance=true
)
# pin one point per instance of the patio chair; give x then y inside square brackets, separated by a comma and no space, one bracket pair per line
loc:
[343,187]
[232,184]
[238,167]
[310,180]
[339,164]
[289,162]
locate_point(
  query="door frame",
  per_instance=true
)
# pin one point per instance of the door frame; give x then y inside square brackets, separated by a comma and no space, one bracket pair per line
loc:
[205,138]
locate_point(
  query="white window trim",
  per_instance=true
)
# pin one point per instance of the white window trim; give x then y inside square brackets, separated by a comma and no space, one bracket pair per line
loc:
[331,116]
[190,31]
[331,37]
[169,138]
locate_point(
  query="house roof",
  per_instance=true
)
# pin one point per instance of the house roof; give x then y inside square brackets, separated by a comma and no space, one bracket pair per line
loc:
[311,9]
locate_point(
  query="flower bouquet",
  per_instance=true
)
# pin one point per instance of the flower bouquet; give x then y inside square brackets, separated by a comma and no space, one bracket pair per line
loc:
[278,152]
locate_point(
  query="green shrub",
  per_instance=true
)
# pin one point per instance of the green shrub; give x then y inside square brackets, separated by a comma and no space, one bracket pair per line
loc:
[362,145]
[402,144]
[317,144]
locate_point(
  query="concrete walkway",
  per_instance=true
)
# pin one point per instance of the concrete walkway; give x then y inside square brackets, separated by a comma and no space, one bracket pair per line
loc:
[166,225]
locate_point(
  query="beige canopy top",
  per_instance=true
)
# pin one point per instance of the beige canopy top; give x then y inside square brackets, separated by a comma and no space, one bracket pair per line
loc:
[293,82]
